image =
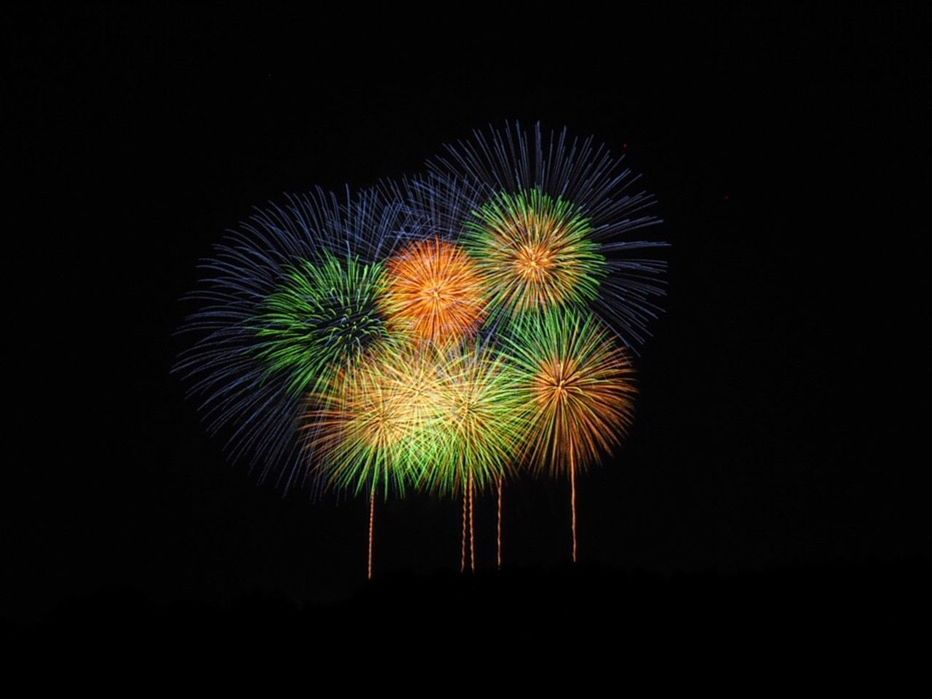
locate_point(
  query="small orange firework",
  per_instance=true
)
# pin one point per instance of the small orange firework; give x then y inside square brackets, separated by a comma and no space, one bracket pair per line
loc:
[434,291]
[580,390]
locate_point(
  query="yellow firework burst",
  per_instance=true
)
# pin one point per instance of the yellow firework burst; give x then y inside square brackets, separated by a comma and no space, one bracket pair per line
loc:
[373,427]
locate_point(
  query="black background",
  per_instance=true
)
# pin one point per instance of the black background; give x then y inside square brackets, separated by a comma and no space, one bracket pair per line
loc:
[776,457]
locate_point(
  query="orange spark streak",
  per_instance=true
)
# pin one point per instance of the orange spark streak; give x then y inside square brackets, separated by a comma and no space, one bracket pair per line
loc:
[463,548]
[472,529]
[498,542]
[573,500]
[371,528]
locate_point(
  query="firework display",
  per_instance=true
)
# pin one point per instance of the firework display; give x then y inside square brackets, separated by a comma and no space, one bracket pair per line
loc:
[441,335]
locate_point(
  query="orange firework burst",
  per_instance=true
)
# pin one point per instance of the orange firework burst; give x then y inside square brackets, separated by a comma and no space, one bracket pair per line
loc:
[580,386]
[434,291]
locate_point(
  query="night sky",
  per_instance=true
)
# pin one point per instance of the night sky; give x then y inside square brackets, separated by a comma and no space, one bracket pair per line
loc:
[782,398]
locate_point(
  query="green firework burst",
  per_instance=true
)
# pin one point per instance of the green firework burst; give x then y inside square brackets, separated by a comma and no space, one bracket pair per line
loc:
[323,315]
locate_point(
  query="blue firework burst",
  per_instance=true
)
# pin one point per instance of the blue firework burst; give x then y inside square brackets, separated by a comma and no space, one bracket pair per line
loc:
[286,298]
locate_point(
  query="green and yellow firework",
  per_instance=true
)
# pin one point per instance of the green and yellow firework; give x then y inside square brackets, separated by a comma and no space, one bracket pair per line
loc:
[373,427]
[535,251]
[415,414]
[481,422]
